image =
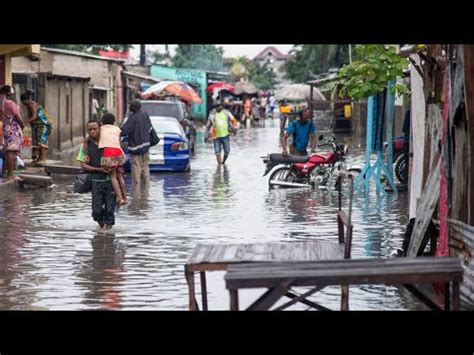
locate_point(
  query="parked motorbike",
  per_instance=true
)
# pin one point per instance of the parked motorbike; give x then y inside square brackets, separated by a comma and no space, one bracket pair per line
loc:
[315,170]
[400,165]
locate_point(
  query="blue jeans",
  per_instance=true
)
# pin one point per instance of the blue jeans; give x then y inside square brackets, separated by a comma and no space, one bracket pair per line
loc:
[223,142]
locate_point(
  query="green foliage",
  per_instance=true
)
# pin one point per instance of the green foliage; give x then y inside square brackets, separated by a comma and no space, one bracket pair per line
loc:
[374,67]
[312,59]
[199,56]
[156,57]
[262,76]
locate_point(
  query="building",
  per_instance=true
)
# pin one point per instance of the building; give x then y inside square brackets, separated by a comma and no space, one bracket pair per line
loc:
[70,85]
[104,73]
[10,51]
[198,79]
[274,60]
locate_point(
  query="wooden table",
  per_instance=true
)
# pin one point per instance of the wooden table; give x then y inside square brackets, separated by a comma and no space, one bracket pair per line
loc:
[217,257]
[279,278]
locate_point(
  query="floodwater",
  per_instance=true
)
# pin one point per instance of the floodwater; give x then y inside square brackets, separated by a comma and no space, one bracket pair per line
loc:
[52,257]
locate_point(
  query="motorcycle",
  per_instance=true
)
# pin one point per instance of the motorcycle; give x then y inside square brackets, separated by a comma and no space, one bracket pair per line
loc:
[315,170]
[400,165]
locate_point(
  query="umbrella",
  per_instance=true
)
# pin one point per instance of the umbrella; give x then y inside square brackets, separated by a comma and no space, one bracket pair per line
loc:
[220,86]
[298,92]
[173,88]
[244,87]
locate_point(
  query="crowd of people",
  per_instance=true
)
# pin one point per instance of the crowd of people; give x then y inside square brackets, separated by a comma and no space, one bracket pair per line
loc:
[13,124]
[102,155]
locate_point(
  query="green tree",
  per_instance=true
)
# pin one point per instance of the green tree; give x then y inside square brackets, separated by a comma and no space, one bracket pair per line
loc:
[239,67]
[199,56]
[312,59]
[156,57]
[375,66]
[262,76]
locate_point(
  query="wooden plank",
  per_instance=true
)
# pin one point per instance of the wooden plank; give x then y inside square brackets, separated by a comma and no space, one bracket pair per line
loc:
[263,252]
[308,302]
[299,298]
[230,253]
[346,272]
[249,253]
[38,180]
[424,212]
[418,117]
[198,254]
[365,262]
[217,253]
[469,101]
[418,294]
[207,253]
[60,169]
[270,297]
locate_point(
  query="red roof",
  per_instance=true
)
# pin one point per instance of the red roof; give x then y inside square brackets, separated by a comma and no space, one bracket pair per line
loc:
[275,52]
[114,54]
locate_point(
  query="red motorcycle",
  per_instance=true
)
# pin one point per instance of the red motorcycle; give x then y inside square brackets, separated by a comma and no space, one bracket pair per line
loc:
[316,170]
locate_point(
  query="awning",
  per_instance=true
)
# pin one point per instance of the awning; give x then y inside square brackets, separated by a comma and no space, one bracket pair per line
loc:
[101,88]
[18,50]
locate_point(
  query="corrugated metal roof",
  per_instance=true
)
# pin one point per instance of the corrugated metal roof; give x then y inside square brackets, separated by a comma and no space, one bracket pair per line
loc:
[141,76]
[81,54]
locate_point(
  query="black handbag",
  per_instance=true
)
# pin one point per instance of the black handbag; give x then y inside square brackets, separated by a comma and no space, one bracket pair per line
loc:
[82,184]
[154,139]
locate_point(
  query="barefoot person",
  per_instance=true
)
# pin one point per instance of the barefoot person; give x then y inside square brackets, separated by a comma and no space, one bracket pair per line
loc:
[12,130]
[222,123]
[103,195]
[41,125]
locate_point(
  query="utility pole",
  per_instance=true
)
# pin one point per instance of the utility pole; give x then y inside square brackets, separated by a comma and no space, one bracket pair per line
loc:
[350,54]
[142,54]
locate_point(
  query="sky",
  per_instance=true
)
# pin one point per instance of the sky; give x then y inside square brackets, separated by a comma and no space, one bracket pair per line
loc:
[230,50]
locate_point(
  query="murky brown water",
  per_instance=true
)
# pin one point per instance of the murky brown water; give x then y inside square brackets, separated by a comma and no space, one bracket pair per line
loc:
[51,256]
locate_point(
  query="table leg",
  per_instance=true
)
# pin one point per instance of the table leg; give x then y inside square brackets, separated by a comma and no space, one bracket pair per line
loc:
[234,300]
[345,298]
[456,296]
[192,293]
[204,291]
[447,297]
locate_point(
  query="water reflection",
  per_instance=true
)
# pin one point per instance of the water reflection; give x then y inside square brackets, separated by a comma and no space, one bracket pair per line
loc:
[13,226]
[138,203]
[52,257]
[220,185]
[103,273]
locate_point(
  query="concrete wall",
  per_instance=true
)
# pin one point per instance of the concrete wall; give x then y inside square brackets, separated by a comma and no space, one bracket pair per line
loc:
[103,73]
[67,101]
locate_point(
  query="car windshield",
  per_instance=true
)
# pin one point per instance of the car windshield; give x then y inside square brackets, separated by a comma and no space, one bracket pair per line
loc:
[163,109]
[165,126]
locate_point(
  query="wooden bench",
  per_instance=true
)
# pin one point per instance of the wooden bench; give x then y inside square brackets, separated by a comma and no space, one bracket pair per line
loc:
[279,278]
[218,257]
[61,169]
[38,180]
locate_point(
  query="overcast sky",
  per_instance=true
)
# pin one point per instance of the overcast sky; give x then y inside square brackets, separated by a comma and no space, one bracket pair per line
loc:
[230,50]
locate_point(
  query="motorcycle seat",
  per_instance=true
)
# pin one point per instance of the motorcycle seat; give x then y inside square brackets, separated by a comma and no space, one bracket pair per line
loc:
[326,156]
[291,159]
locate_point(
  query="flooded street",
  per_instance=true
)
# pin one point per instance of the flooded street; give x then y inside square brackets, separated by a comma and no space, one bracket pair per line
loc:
[51,256]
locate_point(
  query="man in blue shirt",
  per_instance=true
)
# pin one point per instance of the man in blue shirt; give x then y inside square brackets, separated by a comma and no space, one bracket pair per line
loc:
[303,130]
